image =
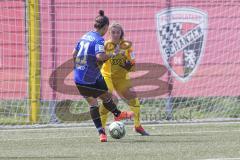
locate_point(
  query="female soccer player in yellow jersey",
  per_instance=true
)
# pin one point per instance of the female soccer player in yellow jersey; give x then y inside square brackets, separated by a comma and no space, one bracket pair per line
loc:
[115,72]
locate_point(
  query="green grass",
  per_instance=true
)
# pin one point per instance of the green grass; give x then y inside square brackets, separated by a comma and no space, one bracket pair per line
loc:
[14,112]
[168,142]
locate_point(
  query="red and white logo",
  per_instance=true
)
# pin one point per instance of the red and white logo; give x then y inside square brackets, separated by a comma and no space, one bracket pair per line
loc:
[182,34]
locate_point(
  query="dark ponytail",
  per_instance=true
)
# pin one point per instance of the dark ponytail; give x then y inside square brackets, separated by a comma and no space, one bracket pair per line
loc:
[101,20]
[101,12]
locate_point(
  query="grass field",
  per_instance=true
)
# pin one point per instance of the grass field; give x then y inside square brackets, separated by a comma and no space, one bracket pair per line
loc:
[167,142]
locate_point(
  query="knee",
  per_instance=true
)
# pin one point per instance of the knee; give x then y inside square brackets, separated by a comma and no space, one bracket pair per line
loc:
[106,96]
[134,102]
[92,101]
[128,94]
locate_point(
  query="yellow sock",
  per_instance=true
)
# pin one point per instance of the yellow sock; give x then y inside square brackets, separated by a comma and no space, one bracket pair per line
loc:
[135,107]
[136,110]
[104,115]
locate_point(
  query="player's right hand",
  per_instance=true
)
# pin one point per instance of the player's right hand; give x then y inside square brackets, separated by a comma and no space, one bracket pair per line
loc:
[109,46]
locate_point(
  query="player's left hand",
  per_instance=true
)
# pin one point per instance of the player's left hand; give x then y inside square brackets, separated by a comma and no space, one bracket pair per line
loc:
[128,65]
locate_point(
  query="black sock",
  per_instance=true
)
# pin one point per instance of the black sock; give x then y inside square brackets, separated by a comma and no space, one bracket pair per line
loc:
[94,112]
[111,106]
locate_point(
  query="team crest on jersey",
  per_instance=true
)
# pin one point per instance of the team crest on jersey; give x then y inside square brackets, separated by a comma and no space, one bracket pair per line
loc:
[182,35]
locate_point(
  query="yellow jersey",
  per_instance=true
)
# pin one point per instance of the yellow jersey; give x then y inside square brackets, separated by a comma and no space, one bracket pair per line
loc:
[112,67]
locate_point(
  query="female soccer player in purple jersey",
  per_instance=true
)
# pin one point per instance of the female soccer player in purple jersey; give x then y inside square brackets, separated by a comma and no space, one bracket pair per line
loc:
[87,76]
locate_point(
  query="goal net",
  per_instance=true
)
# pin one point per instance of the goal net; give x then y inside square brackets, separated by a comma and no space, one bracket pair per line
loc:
[187,58]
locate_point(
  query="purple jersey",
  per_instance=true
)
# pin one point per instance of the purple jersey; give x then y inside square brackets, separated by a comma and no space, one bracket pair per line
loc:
[86,70]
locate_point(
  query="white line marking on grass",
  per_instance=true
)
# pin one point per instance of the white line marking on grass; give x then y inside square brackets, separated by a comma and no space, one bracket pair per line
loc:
[221,159]
[42,129]
[41,138]
[87,136]
[194,132]
[227,131]
[191,123]
[92,127]
[62,127]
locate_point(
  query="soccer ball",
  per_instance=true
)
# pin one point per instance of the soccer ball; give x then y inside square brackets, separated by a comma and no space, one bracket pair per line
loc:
[117,130]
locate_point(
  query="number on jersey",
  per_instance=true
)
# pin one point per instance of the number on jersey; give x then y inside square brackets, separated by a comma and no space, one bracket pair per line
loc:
[81,58]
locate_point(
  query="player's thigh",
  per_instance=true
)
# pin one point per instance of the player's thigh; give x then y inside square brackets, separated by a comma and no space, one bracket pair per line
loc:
[124,88]
[109,83]
[121,84]
[90,90]
[93,90]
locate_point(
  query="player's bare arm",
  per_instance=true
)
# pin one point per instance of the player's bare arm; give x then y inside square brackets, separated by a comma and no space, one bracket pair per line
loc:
[74,53]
